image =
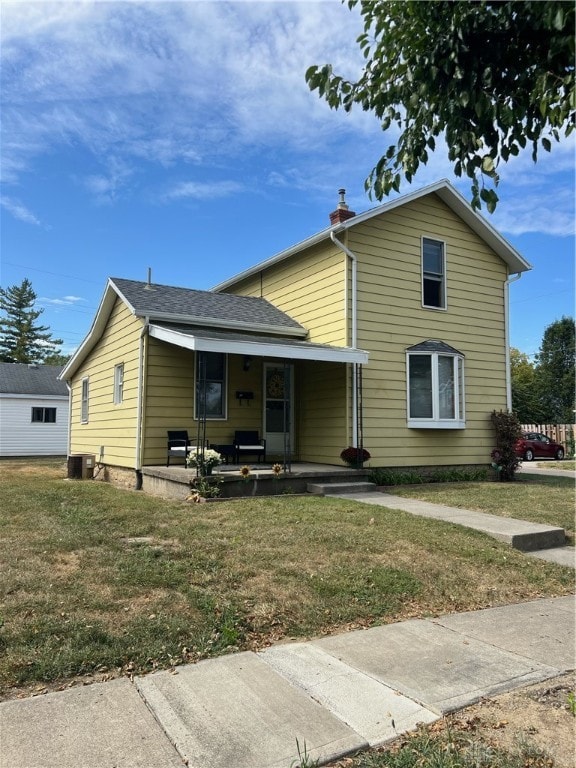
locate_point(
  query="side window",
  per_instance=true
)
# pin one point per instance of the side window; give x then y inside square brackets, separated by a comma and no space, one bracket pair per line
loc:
[211,385]
[84,401]
[433,274]
[43,415]
[118,383]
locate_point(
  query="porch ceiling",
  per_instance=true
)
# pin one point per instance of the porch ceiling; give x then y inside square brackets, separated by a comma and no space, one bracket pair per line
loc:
[204,340]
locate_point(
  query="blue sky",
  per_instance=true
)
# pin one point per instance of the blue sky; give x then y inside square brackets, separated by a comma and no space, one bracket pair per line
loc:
[182,137]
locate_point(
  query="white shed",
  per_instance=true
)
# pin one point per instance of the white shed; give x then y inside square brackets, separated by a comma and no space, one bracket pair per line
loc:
[34,410]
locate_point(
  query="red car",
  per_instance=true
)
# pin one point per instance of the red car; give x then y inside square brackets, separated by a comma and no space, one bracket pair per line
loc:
[534,445]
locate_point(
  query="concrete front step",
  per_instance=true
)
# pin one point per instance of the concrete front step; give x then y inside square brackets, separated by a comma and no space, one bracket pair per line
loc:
[335,489]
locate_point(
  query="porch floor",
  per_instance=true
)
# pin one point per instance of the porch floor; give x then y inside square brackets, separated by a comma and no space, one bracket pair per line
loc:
[298,469]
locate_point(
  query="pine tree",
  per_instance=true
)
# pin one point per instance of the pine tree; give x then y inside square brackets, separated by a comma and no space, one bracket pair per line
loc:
[21,339]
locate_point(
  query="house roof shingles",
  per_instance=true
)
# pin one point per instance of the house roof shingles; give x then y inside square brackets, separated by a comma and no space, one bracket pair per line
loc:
[23,379]
[193,305]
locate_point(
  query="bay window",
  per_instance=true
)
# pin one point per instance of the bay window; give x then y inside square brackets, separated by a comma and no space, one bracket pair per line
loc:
[435,374]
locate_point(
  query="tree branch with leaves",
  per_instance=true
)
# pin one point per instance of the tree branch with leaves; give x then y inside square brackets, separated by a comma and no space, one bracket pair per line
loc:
[491,77]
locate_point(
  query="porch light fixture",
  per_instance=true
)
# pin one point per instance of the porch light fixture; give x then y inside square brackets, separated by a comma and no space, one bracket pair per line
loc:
[247,363]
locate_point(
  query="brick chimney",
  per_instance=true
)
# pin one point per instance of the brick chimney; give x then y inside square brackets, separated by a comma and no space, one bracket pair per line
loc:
[342,212]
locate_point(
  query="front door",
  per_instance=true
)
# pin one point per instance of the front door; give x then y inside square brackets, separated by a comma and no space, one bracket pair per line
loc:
[278,408]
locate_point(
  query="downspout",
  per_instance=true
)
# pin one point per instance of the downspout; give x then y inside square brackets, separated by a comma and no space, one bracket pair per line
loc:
[69,451]
[354,265]
[507,284]
[140,402]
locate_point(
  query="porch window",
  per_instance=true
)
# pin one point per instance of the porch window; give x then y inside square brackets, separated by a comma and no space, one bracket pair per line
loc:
[211,385]
[84,401]
[435,387]
[433,274]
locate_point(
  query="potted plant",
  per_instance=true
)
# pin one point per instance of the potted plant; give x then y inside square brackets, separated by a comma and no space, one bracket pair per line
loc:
[204,460]
[354,457]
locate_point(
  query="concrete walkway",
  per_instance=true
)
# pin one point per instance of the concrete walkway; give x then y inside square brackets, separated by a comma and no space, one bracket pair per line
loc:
[335,695]
[543,541]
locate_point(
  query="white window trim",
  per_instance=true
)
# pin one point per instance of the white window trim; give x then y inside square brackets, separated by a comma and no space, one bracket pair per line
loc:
[224,390]
[459,397]
[84,400]
[118,383]
[444,307]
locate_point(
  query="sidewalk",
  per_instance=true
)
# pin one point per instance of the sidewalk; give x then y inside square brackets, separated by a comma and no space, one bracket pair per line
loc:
[334,694]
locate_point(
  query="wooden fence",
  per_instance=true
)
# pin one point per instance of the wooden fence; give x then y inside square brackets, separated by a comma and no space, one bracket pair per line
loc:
[560,433]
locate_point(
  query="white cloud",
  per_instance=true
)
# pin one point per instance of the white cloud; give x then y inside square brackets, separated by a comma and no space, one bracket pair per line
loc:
[65,301]
[107,187]
[213,85]
[201,191]
[542,210]
[19,211]
[168,82]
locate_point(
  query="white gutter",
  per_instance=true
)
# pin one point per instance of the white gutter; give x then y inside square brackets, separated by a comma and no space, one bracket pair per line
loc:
[507,284]
[354,340]
[140,396]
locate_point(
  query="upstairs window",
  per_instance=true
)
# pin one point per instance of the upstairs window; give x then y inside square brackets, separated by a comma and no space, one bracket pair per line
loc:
[118,383]
[211,385]
[433,274]
[435,386]
[43,415]
[84,402]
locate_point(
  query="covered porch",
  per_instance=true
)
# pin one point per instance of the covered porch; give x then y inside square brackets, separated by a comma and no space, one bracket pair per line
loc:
[302,399]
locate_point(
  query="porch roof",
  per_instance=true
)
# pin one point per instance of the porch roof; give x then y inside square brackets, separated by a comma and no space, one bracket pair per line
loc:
[208,340]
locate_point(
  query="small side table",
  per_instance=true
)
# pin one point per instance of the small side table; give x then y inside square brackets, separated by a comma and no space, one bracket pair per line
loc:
[225,450]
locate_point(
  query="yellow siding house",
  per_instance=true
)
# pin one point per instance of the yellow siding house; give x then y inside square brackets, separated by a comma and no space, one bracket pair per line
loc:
[387,330]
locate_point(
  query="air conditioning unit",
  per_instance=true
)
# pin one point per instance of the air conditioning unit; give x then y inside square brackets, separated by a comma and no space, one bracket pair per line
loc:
[81,466]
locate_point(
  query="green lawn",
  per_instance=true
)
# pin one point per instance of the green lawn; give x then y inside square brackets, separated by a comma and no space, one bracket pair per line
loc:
[97,581]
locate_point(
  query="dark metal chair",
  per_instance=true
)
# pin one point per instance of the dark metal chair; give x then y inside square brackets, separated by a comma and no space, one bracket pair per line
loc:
[179,444]
[249,442]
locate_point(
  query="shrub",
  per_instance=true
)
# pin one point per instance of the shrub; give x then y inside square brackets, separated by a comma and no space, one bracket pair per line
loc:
[508,432]
[207,488]
[395,477]
[383,476]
